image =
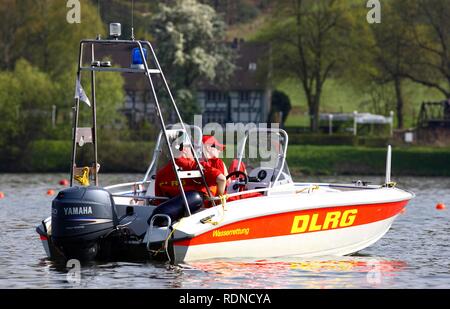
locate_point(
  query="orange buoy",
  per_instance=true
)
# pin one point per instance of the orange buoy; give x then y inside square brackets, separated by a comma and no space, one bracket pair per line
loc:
[50,192]
[2,195]
[64,182]
[440,206]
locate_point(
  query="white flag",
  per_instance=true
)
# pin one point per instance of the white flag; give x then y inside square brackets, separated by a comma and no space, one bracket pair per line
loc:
[80,94]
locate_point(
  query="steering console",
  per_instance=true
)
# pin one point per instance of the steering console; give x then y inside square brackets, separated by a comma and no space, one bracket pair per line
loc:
[242,180]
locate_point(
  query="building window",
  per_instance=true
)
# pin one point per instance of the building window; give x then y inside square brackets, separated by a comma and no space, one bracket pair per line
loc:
[244,96]
[130,99]
[252,66]
[215,96]
[210,95]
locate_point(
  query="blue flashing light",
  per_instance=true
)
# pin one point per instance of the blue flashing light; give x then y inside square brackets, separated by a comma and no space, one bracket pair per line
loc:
[136,56]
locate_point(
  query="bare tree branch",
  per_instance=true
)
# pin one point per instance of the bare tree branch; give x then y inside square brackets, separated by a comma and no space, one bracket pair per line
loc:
[427,83]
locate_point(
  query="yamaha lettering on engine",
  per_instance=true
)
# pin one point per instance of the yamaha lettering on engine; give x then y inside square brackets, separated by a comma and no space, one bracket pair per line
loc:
[82,217]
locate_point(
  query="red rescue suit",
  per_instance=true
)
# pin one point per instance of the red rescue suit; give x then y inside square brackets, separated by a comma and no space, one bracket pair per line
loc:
[166,183]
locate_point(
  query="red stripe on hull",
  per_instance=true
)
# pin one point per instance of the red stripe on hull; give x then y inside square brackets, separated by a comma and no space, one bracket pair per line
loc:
[296,222]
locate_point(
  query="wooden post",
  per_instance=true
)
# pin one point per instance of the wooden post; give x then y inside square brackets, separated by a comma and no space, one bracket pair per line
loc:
[53,115]
[330,124]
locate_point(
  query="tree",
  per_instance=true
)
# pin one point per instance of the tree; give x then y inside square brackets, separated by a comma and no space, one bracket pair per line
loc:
[236,11]
[9,109]
[429,21]
[190,39]
[43,37]
[121,10]
[110,98]
[309,44]
[13,16]
[25,104]
[386,55]
[49,42]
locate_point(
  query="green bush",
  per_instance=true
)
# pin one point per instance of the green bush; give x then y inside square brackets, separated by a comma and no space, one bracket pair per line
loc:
[55,156]
[372,141]
[336,160]
[336,139]
[129,157]
[125,157]
[47,156]
[321,139]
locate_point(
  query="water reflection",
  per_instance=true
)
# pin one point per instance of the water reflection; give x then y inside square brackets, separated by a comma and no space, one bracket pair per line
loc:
[331,272]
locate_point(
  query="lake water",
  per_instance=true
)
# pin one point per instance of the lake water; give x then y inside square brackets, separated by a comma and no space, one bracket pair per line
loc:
[415,253]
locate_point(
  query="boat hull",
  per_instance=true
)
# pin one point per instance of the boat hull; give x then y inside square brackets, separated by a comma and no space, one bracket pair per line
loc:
[324,222]
[326,231]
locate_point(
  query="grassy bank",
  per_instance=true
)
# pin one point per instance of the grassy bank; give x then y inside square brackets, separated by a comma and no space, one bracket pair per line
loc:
[339,96]
[129,157]
[117,157]
[329,160]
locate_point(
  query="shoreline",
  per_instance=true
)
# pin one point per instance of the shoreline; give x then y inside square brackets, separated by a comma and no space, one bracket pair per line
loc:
[134,157]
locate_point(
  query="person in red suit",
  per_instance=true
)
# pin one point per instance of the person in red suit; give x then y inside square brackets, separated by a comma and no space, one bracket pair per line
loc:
[166,183]
[211,150]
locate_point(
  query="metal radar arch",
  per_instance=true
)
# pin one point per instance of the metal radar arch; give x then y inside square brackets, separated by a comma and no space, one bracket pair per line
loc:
[140,50]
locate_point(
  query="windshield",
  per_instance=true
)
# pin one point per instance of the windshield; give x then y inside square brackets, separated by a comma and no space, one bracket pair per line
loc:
[263,153]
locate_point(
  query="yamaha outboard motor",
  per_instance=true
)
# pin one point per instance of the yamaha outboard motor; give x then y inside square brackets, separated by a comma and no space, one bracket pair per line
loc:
[82,217]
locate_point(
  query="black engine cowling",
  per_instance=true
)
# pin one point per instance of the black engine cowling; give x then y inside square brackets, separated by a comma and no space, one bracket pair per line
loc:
[81,218]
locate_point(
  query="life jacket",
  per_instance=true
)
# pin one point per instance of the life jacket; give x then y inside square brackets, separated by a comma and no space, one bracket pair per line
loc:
[166,183]
[218,164]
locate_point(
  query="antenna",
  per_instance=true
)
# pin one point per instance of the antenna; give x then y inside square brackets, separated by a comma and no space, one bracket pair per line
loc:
[388,165]
[132,20]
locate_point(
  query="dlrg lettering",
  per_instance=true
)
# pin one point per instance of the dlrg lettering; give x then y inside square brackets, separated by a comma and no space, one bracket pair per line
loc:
[332,220]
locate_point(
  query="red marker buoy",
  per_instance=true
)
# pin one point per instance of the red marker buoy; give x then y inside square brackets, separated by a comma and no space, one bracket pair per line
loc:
[64,182]
[2,195]
[50,192]
[440,206]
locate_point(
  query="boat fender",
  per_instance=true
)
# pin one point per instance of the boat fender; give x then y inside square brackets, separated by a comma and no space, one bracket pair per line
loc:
[175,208]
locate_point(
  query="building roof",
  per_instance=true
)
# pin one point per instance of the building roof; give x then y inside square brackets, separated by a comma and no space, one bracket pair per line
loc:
[252,68]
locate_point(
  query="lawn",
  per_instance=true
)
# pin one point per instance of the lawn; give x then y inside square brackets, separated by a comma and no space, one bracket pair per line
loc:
[339,97]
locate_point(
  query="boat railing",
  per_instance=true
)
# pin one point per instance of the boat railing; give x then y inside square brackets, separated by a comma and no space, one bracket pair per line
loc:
[261,190]
[127,184]
[140,197]
[338,185]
